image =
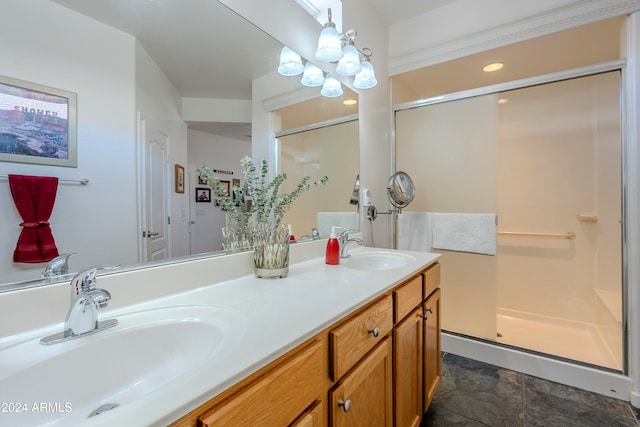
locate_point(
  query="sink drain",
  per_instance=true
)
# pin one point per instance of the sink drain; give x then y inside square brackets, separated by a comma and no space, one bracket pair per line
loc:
[104,408]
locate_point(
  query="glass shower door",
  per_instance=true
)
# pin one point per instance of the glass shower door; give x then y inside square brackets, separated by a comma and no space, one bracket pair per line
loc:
[547,160]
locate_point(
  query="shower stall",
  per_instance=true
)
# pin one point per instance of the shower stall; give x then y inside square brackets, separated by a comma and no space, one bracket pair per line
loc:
[545,158]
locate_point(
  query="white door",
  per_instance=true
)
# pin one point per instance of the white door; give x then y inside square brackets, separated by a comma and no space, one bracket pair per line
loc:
[155,222]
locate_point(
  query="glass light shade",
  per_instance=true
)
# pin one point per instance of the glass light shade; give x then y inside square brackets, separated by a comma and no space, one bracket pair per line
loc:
[290,63]
[349,65]
[329,45]
[312,76]
[331,87]
[366,78]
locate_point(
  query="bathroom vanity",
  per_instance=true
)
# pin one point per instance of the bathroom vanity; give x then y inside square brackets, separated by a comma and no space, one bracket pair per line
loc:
[206,343]
[379,365]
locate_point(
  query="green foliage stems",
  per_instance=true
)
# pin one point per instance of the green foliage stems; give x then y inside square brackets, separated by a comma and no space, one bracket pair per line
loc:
[268,206]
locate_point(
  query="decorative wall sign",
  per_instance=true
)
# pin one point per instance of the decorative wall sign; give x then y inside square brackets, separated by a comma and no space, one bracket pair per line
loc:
[37,124]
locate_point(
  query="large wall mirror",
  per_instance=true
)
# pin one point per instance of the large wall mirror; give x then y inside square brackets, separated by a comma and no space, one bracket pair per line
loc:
[101,219]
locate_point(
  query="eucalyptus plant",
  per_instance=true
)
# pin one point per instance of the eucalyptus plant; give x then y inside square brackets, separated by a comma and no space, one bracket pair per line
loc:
[268,205]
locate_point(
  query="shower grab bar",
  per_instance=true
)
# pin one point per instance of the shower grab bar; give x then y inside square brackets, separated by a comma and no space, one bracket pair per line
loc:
[568,235]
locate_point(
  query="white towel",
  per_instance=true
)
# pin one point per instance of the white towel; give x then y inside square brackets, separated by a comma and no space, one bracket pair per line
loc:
[346,220]
[465,232]
[414,231]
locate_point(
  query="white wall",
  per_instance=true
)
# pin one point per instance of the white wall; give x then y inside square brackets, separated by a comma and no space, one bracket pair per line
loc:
[53,46]
[217,152]
[161,106]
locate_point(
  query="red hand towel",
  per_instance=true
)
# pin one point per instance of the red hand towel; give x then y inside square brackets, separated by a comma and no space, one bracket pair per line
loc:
[34,197]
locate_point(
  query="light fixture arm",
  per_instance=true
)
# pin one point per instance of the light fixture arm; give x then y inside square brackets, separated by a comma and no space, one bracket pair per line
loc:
[349,37]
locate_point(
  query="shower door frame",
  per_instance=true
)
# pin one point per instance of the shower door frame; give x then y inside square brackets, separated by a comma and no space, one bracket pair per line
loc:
[617,65]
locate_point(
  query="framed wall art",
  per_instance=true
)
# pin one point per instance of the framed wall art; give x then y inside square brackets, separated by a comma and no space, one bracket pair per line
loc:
[203,195]
[37,124]
[227,186]
[179,179]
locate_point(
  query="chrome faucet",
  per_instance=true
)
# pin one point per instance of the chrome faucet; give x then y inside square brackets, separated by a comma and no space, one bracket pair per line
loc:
[86,299]
[344,241]
[59,266]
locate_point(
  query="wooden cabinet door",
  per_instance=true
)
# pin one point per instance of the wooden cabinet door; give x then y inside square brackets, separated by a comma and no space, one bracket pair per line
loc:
[432,356]
[312,417]
[407,370]
[364,397]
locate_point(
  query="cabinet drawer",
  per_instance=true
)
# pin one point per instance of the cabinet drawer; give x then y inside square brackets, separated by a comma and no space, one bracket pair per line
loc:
[406,298]
[353,339]
[275,399]
[431,279]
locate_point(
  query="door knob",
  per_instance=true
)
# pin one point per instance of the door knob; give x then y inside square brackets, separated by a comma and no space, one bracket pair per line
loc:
[152,234]
[345,405]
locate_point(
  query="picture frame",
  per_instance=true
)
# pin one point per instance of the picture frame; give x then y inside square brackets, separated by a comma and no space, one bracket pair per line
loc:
[179,178]
[201,181]
[38,124]
[203,195]
[226,185]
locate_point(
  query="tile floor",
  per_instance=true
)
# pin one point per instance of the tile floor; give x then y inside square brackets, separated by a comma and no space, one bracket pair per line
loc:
[477,394]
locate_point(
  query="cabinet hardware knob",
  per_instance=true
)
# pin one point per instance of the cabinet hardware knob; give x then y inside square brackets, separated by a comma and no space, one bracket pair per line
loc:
[374,331]
[346,405]
[423,315]
[430,310]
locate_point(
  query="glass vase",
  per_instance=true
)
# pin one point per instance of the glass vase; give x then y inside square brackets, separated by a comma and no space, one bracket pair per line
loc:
[271,250]
[237,238]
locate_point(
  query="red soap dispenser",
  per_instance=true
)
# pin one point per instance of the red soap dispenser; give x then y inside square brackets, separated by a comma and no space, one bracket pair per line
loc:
[292,238]
[333,248]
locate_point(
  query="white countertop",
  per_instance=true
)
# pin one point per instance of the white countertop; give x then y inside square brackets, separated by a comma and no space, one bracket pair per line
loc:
[278,315]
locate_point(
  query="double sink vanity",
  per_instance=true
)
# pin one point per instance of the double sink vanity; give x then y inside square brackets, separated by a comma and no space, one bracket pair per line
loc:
[204,342]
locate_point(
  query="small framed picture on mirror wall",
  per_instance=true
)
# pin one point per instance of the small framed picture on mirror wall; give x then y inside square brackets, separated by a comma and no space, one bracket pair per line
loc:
[179,179]
[203,195]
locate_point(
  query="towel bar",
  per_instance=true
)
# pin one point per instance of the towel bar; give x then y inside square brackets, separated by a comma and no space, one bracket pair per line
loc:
[83,181]
[568,235]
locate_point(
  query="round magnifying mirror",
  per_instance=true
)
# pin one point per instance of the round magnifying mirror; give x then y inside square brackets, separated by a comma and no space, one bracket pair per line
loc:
[400,189]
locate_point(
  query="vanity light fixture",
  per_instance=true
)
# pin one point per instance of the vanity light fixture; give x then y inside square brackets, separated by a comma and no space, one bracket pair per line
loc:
[312,75]
[290,63]
[337,48]
[331,87]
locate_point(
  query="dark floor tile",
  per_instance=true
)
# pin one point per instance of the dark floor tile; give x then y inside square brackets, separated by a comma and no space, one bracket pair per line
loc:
[636,412]
[608,405]
[438,416]
[548,410]
[482,392]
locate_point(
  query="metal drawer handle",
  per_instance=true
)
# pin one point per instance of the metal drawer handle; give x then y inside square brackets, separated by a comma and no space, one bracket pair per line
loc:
[426,310]
[374,331]
[346,405]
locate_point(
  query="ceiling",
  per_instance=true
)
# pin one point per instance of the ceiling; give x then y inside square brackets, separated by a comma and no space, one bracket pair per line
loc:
[201,47]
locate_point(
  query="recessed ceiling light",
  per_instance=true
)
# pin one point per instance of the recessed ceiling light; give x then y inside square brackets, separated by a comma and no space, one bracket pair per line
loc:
[492,67]
[349,102]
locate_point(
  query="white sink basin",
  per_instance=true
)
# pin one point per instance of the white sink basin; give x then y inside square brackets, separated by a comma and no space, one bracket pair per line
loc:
[64,383]
[378,260]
